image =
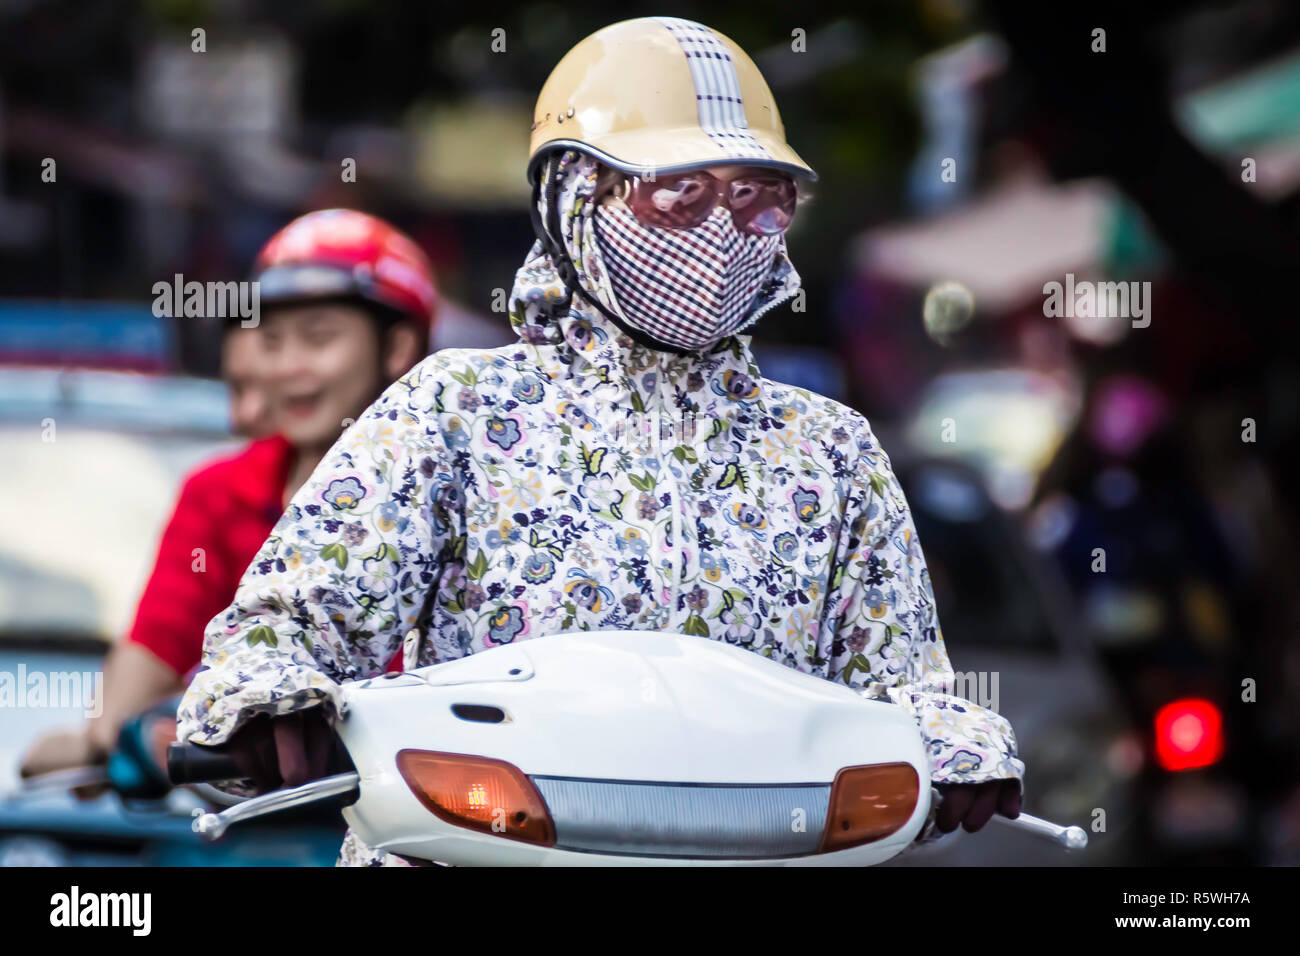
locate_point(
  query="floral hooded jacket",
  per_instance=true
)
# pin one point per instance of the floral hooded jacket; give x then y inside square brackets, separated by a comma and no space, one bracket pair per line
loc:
[577,481]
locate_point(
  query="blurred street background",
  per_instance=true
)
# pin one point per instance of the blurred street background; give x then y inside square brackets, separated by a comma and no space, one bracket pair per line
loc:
[986,144]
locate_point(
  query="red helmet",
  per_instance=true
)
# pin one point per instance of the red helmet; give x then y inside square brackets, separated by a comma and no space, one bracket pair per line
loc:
[340,252]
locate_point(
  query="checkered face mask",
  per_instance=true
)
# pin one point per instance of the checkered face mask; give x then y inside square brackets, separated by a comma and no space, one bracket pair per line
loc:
[690,288]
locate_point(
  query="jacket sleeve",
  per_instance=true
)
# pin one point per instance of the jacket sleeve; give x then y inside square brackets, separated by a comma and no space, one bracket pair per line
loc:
[340,580]
[883,628]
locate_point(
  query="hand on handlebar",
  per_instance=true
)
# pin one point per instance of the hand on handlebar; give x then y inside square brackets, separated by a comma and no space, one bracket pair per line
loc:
[285,751]
[65,750]
[973,804]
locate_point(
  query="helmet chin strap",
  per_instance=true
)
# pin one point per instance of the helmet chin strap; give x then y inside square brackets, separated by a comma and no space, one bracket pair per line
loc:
[549,182]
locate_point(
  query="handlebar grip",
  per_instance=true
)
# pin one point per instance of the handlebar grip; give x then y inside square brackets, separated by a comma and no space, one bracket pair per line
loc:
[192,763]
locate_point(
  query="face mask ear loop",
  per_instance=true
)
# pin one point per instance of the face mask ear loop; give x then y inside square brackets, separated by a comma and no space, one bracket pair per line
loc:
[560,256]
[543,186]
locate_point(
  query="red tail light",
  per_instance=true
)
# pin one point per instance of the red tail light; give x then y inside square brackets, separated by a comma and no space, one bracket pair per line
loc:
[1189,734]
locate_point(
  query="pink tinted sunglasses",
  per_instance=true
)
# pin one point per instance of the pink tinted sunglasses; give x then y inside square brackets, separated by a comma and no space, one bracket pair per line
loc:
[761,203]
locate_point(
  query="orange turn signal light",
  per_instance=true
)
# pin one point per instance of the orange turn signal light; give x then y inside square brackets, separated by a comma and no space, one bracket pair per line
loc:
[478,793]
[869,803]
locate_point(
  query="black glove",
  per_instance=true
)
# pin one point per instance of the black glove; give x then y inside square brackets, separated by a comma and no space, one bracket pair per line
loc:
[285,751]
[973,804]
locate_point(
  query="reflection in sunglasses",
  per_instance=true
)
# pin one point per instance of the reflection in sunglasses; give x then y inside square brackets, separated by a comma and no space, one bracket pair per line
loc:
[760,205]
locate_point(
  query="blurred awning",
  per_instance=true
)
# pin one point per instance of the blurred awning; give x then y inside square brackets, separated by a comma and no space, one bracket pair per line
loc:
[1261,105]
[1255,114]
[1004,245]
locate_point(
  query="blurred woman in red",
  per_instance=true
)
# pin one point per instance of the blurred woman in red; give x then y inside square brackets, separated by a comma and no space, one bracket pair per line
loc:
[347,305]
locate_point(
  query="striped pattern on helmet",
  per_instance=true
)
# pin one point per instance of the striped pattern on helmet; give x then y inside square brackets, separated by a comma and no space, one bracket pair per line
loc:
[687,287]
[717,89]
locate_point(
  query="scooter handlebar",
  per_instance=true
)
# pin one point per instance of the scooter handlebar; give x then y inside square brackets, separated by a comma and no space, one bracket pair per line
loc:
[194,763]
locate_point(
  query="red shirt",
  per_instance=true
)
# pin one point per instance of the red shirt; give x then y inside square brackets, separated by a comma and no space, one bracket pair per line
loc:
[227,508]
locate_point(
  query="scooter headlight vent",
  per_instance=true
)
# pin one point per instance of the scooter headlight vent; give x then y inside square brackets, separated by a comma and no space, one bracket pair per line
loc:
[685,820]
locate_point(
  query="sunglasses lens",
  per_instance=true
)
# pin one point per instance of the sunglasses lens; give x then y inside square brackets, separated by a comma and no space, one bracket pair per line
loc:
[673,202]
[763,205]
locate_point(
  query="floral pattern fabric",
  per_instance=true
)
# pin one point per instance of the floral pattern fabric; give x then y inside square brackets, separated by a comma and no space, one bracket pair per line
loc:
[577,480]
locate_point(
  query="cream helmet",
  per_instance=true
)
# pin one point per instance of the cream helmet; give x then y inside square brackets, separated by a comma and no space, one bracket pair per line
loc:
[651,96]
[661,95]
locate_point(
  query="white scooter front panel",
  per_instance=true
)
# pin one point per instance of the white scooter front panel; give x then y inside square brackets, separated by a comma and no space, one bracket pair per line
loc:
[645,747]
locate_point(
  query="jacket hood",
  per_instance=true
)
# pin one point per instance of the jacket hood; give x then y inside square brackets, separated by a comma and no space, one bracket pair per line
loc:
[604,358]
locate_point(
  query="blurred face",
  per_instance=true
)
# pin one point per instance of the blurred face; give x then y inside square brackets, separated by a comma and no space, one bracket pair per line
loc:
[245,366]
[325,363]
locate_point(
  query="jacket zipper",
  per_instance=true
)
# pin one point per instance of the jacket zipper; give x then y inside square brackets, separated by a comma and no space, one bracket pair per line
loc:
[675,523]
